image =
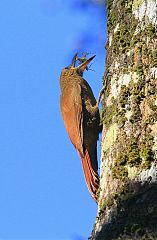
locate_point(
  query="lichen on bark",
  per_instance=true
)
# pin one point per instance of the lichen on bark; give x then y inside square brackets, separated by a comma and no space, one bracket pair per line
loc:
[128,171]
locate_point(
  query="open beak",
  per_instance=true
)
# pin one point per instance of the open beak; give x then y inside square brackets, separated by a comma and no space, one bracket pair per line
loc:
[83,65]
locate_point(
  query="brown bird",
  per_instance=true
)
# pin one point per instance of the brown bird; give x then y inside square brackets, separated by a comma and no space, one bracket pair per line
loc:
[81,118]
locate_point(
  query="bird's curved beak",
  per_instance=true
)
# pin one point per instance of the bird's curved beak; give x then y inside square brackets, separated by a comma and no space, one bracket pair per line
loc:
[74,60]
[83,65]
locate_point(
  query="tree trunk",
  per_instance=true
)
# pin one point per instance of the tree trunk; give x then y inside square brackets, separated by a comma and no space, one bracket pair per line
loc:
[127,207]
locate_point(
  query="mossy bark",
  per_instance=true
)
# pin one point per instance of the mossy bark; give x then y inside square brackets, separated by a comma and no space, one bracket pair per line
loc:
[127,207]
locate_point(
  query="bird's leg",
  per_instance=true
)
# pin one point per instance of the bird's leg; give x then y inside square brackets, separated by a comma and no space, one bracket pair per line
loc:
[100,95]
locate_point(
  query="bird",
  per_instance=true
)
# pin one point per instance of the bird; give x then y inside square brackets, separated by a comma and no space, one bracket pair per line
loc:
[80,113]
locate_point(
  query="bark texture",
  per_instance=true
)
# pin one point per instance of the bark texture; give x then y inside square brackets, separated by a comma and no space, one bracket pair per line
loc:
[127,207]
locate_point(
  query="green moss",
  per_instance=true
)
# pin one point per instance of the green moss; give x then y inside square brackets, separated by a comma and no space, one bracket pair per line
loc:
[107,83]
[107,203]
[150,30]
[139,69]
[154,55]
[109,4]
[146,152]
[147,155]
[152,118]
[151,103]
[108,114]
[125,70]
[144,49]
[132,214]
[111,19]
[151,89]
[136,114]
[121,39]
[134,158]
[137,91]
[128,6]
[121,119]
[123,99]
[136,4]
[124,94]
[133,42]
[98,192]
[123,194]
[111,15]
[119,170]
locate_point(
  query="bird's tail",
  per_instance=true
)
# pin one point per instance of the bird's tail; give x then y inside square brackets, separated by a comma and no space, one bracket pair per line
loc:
[91,176]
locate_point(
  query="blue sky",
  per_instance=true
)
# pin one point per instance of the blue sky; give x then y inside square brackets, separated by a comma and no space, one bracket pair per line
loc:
[42,189]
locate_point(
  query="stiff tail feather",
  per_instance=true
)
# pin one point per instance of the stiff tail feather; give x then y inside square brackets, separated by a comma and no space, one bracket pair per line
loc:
[91,176]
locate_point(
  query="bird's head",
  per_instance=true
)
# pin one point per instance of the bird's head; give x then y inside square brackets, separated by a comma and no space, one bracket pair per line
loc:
[79,70]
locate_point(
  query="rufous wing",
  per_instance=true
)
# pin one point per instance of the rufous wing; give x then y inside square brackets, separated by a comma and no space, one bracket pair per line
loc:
[71,109]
